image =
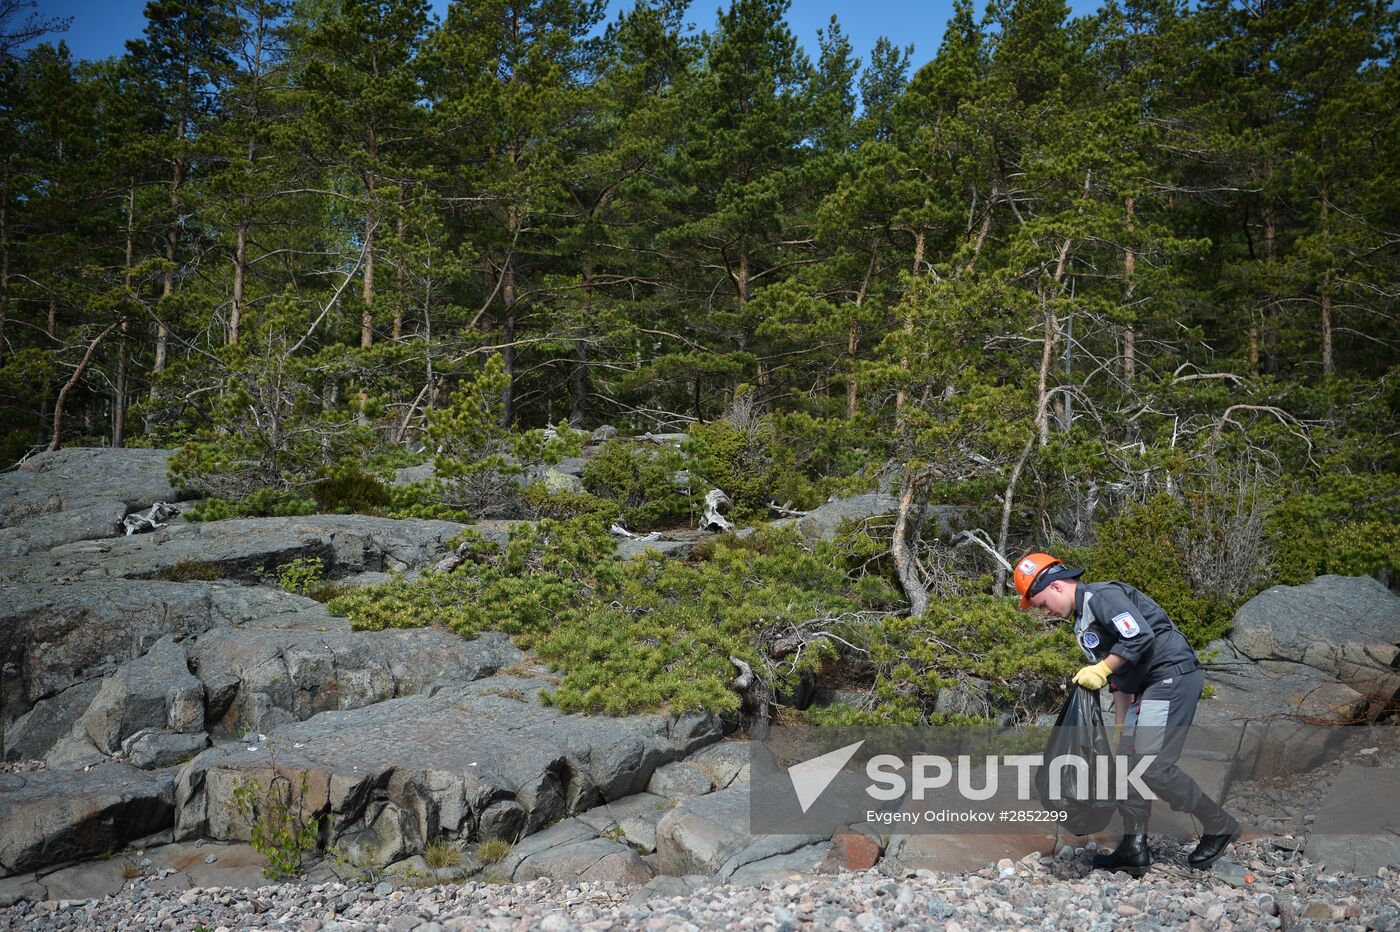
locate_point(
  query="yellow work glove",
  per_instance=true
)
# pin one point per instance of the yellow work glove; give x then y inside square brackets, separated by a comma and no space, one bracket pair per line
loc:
[1093,677]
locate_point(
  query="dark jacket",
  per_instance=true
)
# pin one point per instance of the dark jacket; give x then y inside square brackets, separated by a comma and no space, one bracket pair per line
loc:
[1124,621]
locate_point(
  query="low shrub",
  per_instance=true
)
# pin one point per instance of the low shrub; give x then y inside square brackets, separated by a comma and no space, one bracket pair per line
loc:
[263,503]
[640,479]
[347,488]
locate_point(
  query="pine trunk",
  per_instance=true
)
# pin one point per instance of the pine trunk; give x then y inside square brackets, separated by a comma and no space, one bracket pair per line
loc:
[1129,284]
[578,374]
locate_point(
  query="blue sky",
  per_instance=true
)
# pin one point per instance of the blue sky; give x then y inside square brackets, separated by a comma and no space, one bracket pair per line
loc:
[101,27]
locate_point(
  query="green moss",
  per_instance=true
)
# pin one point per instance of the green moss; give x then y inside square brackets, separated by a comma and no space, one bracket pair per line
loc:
[192,571]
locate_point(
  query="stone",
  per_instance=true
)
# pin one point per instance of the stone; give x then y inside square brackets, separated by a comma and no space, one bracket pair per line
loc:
[77,494]
[1316,909]
[967,697]
[50,817]
[91,880]
[664,886]
[265,676]
[33,734]
[1346,626]
[678,781]
[1271,718]
[633,817]
[824,522]
[957,852]
[725,762]
[22,887]
[478,759]
[151,749]
[781,868]
[710,835]
[250,549]
[1355,830]
[155,691]
[850,850]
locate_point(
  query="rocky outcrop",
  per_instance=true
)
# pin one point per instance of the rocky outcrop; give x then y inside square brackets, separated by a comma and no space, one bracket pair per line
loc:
[248,549]
[572,851]
[60,637]
[51,817]
[78,494]
[484,759]
[1348,627]
[710,835]
[261,677]
[154,692]
[823,522]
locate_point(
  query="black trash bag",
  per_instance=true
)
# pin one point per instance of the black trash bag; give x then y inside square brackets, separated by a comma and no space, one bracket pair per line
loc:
[1079,731]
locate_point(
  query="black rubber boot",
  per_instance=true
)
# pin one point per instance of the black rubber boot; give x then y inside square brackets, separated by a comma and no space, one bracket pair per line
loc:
[1211,847]
[1132,856]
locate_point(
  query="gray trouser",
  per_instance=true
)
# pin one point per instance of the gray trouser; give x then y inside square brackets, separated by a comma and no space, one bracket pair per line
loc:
[1157,724]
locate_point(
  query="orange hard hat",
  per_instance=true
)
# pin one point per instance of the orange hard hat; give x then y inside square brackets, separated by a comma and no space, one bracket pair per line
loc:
[1032,567]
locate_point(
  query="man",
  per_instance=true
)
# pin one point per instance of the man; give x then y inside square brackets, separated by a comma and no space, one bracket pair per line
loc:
[1156,680]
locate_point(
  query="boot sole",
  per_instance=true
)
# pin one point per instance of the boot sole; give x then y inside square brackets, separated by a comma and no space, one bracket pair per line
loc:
[1130,870]
[1202,865]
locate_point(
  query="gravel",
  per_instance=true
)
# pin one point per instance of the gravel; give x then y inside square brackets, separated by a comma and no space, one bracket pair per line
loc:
[1265,886]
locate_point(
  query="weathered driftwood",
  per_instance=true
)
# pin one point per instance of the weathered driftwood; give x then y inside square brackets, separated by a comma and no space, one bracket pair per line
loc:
[157,516]
[713,519]
[617,529]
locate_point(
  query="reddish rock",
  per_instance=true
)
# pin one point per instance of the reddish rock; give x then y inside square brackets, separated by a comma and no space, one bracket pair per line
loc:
[850,851]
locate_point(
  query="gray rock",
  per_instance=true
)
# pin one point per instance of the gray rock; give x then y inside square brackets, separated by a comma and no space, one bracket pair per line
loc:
[1356,830]
[260,677]
[155,691]
[33,735]
[597,860]
[152,749]
[1270,717]
[664,886]
[385,833]
[22,887]
[633,818]
[78,494]
[1345,626]
[59,635]
[781,868]
[93,880]
[602,434]
[677,545]
[968,697]
[50,817]
[710,835]
[726,762]
[850,698]
[824,521]
[679,781]
[468,760]
[249,549]
[410,474]
[88,522]
[554,479]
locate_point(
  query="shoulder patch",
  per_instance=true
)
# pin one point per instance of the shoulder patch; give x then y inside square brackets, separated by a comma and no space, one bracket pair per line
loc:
[1126,624]
[1089,639]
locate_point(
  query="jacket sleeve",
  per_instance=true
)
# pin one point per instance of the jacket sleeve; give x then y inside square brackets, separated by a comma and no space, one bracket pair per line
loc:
[1117,613]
